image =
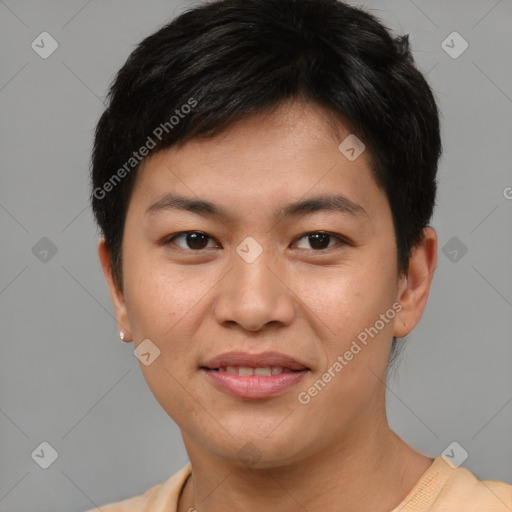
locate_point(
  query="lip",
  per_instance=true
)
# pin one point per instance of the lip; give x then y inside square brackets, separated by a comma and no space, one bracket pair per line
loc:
[254,360]
[254,386]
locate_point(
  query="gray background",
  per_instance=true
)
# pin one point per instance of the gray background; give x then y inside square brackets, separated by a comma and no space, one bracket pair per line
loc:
[66,378]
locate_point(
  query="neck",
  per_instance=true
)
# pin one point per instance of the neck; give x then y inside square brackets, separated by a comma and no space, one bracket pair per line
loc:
[369,458]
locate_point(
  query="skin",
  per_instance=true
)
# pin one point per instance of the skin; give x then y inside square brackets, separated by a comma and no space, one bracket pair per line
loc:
[305,302]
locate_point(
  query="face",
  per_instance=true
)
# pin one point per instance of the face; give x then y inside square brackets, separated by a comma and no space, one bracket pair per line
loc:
[261,276]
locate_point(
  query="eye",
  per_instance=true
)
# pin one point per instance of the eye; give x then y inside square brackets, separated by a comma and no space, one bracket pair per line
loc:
[196,240]
[320,240]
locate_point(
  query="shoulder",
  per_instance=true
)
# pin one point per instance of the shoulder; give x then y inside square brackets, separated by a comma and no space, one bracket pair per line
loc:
[464,488]
[162,497]
[444,488]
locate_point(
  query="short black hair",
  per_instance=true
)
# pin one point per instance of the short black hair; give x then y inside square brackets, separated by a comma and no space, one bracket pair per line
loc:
[225,59]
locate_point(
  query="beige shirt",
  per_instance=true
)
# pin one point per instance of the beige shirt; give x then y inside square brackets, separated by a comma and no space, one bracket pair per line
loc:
[442,488]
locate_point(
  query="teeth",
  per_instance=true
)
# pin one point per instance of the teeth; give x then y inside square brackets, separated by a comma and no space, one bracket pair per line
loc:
[246,371]
[263,371]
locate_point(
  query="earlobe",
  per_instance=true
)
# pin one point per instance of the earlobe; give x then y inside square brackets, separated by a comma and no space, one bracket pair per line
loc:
[122,336]
[116,295]
[414,288]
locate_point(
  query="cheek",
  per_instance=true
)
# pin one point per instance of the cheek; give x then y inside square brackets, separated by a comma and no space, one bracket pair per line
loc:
[168,306]
[347,298]
[349,304]
[160,295]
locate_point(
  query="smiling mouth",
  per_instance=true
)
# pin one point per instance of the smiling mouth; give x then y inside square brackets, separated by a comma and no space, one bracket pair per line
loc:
[249,375]
[253,383]
[247,371]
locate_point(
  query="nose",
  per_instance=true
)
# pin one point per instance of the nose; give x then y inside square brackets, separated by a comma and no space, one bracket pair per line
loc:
[254,295]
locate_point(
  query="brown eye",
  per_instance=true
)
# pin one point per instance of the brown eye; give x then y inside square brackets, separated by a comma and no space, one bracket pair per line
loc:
[319,240]
[195,240]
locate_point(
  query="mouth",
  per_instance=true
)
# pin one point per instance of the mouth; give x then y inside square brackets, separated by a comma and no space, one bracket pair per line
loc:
[246,375]
[246,371]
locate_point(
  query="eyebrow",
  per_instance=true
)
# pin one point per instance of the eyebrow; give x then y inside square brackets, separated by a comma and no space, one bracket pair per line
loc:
[331,202]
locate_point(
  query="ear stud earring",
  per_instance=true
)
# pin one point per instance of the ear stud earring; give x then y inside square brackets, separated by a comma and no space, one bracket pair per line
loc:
[121,335]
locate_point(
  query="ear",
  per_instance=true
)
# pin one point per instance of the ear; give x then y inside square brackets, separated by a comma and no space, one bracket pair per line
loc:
[415,286]
[115,293]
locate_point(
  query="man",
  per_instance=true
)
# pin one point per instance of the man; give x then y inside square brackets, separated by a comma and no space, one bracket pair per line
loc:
[263,177]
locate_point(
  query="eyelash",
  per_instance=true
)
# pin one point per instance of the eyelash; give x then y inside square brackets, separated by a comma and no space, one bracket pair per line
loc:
[342,241]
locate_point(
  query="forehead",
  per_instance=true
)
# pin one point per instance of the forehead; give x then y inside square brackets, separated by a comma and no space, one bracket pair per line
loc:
[269,158]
